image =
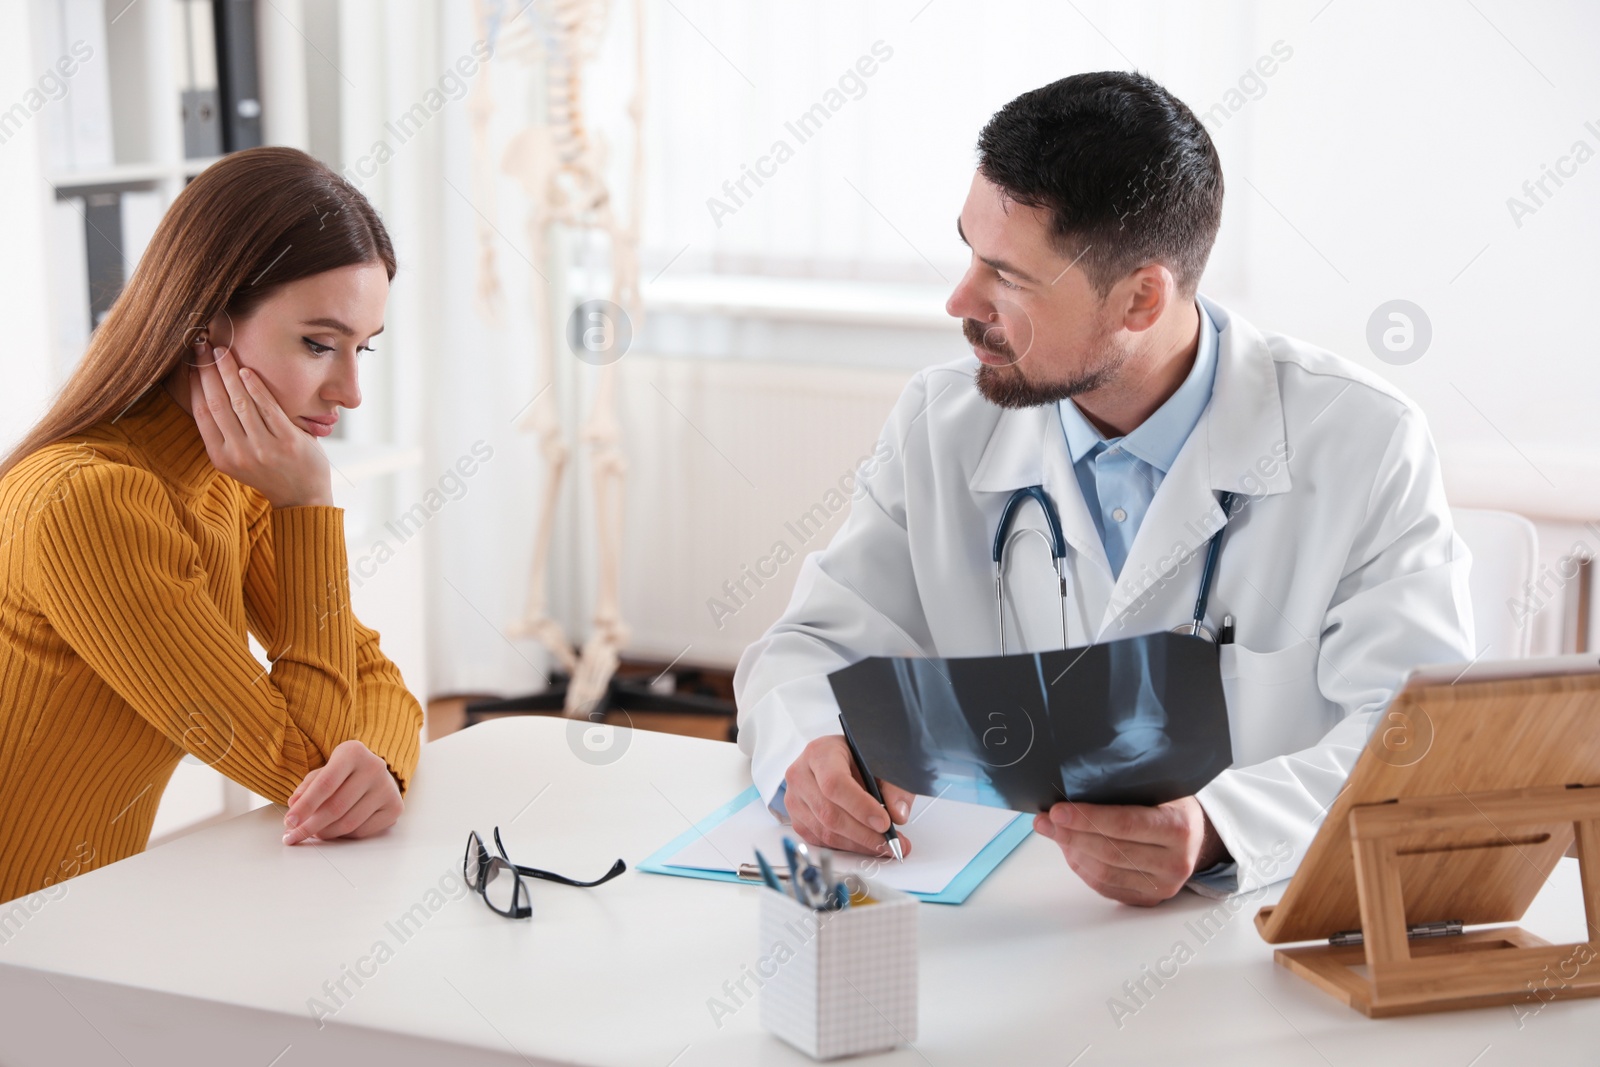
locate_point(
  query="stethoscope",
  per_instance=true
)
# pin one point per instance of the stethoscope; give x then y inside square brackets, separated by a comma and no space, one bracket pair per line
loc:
[1004,535]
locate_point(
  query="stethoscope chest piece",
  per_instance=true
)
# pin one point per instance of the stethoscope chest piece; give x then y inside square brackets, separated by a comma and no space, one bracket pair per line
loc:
[1194,629]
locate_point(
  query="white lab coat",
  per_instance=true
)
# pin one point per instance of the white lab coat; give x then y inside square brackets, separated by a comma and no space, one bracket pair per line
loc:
[1341,569]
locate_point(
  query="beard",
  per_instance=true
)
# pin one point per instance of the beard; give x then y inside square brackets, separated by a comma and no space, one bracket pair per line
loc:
[1007,387]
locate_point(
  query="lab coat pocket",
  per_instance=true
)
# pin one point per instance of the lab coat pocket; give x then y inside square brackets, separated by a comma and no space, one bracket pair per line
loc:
[1274,705]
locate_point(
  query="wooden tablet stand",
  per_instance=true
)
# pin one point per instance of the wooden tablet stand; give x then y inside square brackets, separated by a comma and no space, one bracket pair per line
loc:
[1463,829]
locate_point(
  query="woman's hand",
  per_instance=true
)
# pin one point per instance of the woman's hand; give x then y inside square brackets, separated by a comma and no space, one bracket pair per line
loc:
[248,436]
[352,795]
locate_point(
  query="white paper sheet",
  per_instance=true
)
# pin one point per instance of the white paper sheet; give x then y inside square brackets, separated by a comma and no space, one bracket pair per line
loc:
[945,834]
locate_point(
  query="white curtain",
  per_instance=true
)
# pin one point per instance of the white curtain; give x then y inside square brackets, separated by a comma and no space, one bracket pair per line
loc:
[896,94]
[443,375]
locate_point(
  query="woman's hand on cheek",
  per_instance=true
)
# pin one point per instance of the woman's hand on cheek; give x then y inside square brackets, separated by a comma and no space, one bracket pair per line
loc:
[352,795]
[248,436]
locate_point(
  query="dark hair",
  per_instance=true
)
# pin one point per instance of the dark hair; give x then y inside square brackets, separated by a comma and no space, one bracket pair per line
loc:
[1127,172]
[247,225]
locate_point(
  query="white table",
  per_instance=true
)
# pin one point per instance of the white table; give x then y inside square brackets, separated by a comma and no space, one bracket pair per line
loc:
[206,950]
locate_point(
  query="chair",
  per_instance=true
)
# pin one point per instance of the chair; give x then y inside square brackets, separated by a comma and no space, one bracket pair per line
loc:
[1505,560]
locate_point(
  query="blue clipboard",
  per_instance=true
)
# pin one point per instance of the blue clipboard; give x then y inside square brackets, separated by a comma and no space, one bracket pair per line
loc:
[959,889]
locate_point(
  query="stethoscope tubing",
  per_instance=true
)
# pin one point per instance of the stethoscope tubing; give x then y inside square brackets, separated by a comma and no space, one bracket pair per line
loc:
[1056,542]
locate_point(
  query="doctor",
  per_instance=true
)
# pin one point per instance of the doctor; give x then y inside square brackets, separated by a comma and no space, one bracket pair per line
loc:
[1099,374]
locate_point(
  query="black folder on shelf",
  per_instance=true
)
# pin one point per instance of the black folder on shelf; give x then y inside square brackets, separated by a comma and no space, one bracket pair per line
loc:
[238,80]
[197,79]
[1141,720]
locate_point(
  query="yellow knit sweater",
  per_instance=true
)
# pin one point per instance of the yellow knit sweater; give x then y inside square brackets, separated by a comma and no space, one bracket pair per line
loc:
[130,571]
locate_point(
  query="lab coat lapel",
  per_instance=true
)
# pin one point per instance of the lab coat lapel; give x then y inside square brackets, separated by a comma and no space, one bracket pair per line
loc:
[1028,447]
[1237,446]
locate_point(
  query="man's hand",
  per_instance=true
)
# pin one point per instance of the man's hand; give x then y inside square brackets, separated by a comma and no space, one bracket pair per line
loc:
[829,805]
[352,795]
[1138,855]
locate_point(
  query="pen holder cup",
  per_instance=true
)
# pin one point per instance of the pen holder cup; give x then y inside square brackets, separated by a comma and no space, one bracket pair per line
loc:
[844,982]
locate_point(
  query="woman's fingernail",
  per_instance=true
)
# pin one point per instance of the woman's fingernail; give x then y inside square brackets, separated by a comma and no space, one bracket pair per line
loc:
[902,809]
[291,822]
[288,839]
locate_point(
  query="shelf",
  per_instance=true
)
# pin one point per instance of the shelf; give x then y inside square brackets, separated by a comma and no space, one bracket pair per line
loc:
[119,176]
[190,167]
[123,175]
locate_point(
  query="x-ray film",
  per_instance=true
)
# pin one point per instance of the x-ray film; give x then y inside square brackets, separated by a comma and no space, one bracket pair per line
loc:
[1142,720]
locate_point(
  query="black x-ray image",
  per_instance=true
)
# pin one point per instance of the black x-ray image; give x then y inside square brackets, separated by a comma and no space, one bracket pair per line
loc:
[1142,720]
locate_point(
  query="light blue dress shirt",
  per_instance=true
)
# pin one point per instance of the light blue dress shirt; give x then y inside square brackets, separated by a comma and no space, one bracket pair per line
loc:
[1119,476]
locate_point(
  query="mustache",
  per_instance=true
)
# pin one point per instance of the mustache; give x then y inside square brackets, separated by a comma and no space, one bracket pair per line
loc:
[977,335]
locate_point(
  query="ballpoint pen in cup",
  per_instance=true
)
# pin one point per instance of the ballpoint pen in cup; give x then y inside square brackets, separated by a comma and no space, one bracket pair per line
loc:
[810,877]
[812,883]
[818,894]
[766,872]
[791,854]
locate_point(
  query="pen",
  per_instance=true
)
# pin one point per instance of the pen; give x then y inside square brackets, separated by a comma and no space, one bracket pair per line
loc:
[750,872]
[889,835]
[817,895]
[855,890]
[794,870]
[765,870]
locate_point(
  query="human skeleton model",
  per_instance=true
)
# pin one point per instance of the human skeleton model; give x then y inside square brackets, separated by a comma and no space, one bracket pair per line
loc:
[561,167]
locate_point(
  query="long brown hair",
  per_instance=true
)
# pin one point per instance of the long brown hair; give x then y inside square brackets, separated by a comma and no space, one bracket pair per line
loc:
[248,224]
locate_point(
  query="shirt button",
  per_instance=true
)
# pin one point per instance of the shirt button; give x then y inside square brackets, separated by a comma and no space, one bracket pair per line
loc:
[1118,514]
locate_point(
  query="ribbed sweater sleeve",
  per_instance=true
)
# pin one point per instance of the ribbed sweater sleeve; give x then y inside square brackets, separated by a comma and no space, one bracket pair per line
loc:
[119,577]
[390,718]
[387,718]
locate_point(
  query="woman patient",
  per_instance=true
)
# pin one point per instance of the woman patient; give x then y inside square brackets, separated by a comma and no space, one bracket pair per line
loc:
[173,499]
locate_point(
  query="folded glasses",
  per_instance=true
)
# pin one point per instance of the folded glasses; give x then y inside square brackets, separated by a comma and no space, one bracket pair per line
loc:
[499,881]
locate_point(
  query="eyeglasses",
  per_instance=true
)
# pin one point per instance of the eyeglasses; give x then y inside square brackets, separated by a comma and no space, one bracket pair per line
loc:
[499,881]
